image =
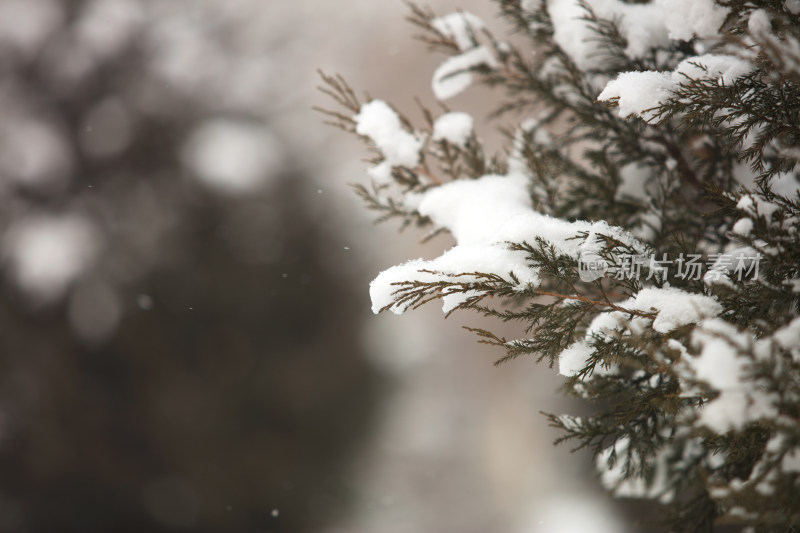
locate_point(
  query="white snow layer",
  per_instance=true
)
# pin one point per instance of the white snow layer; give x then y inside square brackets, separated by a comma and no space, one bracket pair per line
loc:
[788,336]
[721,365]
[572,360]
[639,92]
[743,226]
[642,25]
[455,128]
[645,27]
[673,308]
[382,125]
[686,18]
[484,215]
[725,68]
[453,76]
[759,23]
[460,26]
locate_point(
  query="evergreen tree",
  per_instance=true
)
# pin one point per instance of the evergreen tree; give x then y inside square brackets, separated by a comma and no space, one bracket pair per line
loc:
[642,227]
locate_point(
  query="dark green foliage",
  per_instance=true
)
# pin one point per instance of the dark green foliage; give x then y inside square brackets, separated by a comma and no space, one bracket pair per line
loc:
[700,414]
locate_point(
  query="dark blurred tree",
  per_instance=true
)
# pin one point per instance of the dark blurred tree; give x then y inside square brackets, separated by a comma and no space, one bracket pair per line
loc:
[198,367]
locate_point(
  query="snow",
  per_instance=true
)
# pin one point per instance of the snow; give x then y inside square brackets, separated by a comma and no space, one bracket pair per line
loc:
[788,337]
[783,184]
[781,450]
[604,324]
[745,203]
[791,461]
[641,25]
[638,92]
[453,76]
[490,258]
[476,210]
[455,128]
[685,19]
[759,23]
[232,156]
[675,307]
[725,68]
[720,365]
[484,215]
[497,210]
[572,360]
[707,335]
[743,226]
[381,124]
[460,26]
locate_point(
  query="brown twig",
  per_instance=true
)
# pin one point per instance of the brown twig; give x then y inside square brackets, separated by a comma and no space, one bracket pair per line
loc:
[584,299]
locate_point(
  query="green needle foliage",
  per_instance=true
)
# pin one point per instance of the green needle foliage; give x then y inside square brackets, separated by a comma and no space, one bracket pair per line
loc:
[685,151]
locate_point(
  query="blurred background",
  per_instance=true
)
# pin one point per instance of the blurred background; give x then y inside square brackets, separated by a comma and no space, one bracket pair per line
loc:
[185,335]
